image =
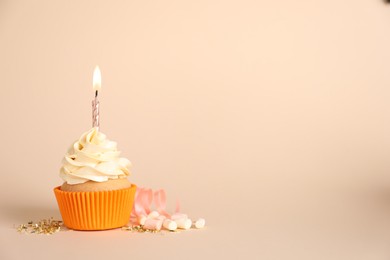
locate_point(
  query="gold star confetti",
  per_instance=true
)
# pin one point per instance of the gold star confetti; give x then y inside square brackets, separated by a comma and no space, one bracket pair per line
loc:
[44,226]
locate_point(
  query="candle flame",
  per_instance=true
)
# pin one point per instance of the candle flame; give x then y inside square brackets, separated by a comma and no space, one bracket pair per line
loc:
[97,79]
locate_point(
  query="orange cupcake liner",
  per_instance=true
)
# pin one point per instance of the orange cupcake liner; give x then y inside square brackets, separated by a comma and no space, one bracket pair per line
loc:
[98,210]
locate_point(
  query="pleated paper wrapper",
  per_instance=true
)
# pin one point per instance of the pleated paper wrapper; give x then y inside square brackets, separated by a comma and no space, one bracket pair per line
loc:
[98,210]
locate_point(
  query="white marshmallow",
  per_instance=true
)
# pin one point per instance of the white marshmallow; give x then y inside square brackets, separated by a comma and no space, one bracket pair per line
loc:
[142,219]
[200,223]
[154,224]
[161,217]
[183,223]
[153,214]
[170,224]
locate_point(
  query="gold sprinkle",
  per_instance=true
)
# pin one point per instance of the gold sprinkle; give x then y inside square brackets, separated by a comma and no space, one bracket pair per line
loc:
[44,226]
[139,229]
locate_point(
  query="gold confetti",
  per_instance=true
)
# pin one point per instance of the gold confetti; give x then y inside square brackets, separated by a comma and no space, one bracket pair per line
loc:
[139,229]
[44,226]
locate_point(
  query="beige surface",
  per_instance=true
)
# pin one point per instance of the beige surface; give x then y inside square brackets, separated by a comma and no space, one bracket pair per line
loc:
[271,119]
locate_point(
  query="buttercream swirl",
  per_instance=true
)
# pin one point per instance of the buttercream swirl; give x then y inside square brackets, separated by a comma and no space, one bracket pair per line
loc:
[93,158]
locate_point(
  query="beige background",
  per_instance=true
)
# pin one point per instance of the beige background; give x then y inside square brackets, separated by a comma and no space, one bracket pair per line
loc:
[271,119]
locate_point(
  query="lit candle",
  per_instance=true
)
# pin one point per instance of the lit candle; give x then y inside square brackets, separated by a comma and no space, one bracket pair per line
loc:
[97,84]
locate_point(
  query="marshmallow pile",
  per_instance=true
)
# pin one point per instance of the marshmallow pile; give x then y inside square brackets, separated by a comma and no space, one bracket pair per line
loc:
[155,221]
[159,219]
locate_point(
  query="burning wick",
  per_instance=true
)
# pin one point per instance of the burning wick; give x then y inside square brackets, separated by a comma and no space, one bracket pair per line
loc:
[97,79]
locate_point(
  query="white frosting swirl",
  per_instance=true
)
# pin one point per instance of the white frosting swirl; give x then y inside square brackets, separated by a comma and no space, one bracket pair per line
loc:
[93,158]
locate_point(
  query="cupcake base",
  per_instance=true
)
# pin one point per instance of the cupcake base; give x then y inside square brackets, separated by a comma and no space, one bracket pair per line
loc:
[96,210]
[112,184]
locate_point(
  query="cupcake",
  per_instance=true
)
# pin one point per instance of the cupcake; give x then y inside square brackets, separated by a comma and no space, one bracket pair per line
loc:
[96,193]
